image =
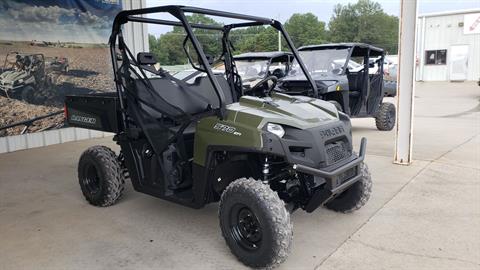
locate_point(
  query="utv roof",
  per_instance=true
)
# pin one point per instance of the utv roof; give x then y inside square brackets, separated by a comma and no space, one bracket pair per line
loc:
[359,49]
[129,15]
[261,55]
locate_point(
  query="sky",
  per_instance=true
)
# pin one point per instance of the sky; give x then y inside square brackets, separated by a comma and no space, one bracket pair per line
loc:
[283,9]
[85,21]
[89,21]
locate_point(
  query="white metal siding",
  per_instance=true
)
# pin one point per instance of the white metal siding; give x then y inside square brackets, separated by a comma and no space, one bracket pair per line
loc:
[136,34]
[49,137]
[441,32]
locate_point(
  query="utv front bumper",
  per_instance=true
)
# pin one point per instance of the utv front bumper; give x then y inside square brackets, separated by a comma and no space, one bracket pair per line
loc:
[336,181]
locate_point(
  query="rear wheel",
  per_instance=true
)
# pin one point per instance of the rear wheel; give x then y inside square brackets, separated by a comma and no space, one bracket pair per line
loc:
[354,197]
[255,223]
[27,94]
[385,118]
[100,176]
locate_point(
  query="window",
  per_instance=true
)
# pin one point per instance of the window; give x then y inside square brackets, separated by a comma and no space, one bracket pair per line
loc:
[436,57]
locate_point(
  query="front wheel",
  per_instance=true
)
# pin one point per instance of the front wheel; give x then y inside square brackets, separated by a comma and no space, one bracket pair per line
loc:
[354,197]
[385,118]
[255,223]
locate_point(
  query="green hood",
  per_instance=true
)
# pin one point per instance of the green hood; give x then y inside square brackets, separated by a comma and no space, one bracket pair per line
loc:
[246,119]
[295,111]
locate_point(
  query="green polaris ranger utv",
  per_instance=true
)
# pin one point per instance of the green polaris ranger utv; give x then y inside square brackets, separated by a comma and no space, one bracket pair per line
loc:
[201,142]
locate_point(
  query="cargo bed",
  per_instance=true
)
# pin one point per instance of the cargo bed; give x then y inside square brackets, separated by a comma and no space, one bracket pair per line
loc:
[93,111]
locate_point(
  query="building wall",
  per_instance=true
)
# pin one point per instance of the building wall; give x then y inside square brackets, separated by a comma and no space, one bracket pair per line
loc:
[441,32]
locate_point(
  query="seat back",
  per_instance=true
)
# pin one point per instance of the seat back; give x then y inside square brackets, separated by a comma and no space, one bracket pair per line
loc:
[356,81]
[194,99]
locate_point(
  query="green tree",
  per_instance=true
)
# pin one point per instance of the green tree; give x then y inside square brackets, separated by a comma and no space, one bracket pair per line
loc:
[364,21]
[168,47]
[254,39]
[305,29]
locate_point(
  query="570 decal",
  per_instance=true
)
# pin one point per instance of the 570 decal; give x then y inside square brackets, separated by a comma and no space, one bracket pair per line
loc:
[227,129]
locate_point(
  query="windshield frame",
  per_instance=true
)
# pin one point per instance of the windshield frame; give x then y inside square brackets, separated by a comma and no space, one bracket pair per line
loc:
[265,66]
[344,67]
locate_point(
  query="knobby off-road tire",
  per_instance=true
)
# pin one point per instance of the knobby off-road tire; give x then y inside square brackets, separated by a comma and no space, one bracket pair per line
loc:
[385,118]
[28,94]
[255,223]
[356,196]
[101,176]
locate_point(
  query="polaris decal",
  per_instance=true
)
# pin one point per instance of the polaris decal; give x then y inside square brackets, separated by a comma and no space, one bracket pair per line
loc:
[83,119]
[227,129]
[331,132]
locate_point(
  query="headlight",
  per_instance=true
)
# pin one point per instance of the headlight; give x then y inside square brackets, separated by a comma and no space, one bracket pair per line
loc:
[276,129]
[19,81]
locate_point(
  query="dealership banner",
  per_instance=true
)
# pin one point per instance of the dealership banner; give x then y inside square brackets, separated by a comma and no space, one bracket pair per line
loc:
[49,49]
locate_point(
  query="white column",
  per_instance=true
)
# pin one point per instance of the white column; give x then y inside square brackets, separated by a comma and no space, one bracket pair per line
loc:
[405,82]
[421,52]
[135,34]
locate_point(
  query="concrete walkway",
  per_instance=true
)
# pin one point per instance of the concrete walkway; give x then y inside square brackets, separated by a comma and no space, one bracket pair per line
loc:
[423,216]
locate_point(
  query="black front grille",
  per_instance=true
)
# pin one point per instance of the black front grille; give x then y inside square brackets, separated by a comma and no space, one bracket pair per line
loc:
[337,151]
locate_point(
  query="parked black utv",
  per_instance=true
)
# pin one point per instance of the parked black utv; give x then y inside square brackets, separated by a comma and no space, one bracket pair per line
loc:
[259,69]
[355,89]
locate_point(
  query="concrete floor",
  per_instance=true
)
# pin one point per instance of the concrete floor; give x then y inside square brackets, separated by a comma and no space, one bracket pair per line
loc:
[423,216]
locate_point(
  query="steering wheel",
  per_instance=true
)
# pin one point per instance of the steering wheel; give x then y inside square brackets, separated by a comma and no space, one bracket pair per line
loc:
[262,82]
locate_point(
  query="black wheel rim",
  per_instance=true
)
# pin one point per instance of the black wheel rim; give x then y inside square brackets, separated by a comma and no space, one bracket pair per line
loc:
[91,181]
[245,228]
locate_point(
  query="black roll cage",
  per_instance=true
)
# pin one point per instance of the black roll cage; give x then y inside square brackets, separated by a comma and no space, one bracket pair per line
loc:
[21,54]
[179,13]
[354,50]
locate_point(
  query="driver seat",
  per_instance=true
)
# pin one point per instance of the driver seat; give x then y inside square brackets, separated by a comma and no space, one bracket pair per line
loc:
[355,83]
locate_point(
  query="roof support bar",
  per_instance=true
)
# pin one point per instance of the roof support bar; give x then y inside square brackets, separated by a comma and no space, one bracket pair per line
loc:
[225,14]
[173,23]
